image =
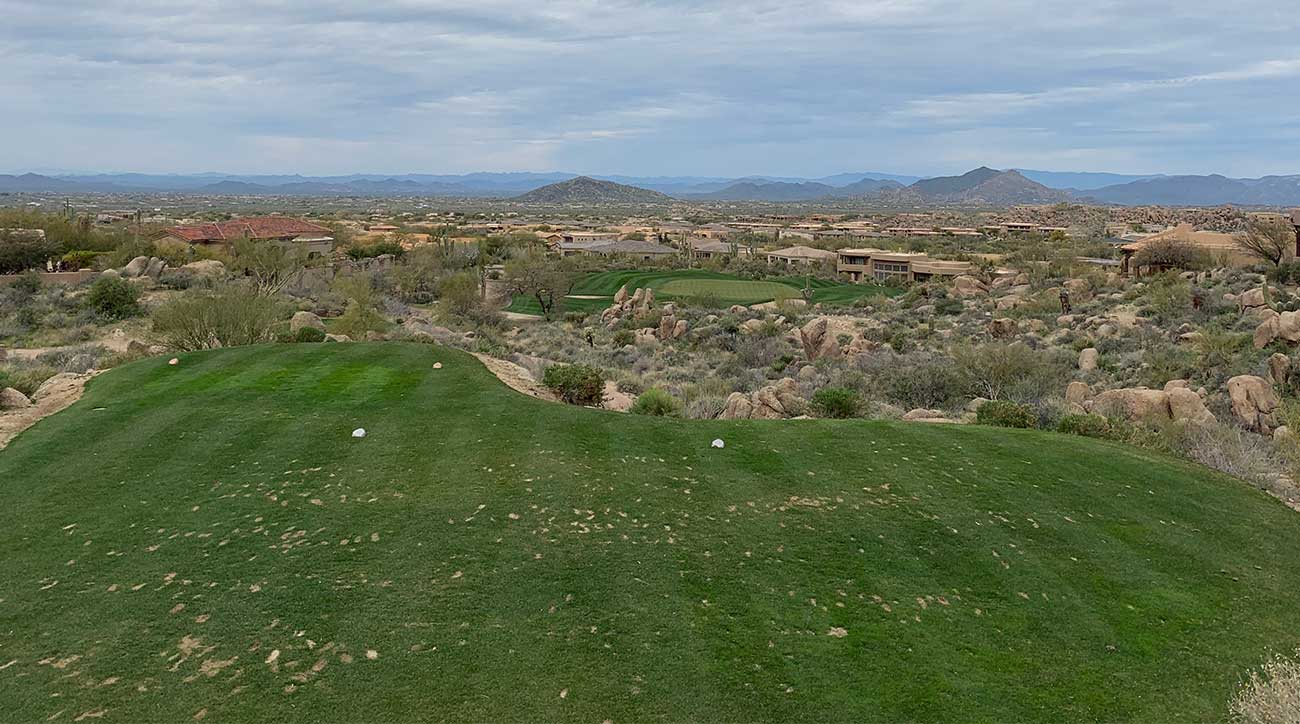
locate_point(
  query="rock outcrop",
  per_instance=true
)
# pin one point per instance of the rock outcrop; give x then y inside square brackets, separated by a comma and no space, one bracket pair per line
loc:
[965,287]
[774,402]
[1253,403]
[818,340]
[1088,359]
[1139,404]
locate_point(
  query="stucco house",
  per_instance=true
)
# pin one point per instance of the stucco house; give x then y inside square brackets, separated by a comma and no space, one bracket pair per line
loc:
[895,266]
[799,255]
[1222,248]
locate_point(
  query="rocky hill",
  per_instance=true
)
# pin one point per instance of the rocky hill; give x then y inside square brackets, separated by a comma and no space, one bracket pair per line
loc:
[587,190]
[986,186]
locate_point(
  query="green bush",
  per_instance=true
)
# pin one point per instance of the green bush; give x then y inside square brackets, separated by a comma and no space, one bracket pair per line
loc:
[308,335]
[1085,425]
[576,384]
[1001,413]
[1286,273]
[624,337]
[231,316]
[836,402]
[657,403]
[114,298]
[81,259]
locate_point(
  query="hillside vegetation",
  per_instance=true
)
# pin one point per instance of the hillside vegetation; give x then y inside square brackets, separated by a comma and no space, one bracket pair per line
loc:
[207,540]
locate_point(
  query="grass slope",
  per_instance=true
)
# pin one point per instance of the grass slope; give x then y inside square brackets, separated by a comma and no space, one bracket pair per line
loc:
[207,538]
[685,283]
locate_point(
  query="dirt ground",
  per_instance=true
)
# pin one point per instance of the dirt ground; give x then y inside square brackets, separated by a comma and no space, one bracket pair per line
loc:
[516,377]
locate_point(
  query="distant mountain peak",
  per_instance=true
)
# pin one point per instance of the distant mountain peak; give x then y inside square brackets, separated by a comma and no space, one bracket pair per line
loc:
[587,190]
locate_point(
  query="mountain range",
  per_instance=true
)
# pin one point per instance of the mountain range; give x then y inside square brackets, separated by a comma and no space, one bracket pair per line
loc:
[983,186]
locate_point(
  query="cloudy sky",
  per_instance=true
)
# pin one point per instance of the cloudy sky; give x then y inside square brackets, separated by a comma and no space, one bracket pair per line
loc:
[656,87]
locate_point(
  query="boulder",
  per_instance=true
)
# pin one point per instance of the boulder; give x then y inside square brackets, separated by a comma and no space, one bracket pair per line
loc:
[1266,332]
[966,286]
[774,402]
[923,415]
[155,268]
[975,404]
[749,326]
[646,338]
[737,309]
[680,329]
[1279,368]
[1135,404]
[304,320]
[1011,301]
[11,399]
[136,267]
[206,268]
[1077,393]
[1252,298]
[1253,402]
[616,400]
[1187,406]
[1288,326]
[110,274]
[1078,288]
[337,338]
[1002,327]
[818,340]
[1283,434]
[1177,384]
[1088,359]
[621,295]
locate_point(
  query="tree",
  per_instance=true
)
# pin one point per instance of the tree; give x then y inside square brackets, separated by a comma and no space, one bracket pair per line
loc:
[545,279]
[1272,240]
[360,315]
[459,293]
[270,265]
[22,251]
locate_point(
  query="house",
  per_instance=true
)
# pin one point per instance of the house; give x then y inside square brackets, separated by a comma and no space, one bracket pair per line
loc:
[1222,248]
[896,266]
[315,239]
[580,238]
[642,250]
[712,249]
[799,255]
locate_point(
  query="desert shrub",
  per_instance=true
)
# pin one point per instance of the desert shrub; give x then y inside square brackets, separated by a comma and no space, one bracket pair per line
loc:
[706,408]
[26,378]
[1230,450]
[576,384]
[948,306]
[230,316]
[1286,273]
[1271,695]
[308,335]
[358,252]
[631,386]
[1172,254]
[837,402]
[1014,372]
[623,338]
[1085,425]
[361,314]
[656,403]
[913,380]
[19,253]
[459,293]
[81,259]
[114,298]
[1168,296]
[1002,413]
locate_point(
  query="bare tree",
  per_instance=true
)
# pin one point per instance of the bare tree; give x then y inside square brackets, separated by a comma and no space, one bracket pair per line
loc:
[545,279]
[270,265]
[1272,240]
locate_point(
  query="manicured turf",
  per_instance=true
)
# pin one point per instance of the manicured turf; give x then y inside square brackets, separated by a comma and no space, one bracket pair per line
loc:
[686,284]
[209,539]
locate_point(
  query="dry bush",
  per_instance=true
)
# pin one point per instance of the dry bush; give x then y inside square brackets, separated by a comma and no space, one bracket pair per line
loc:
[1271,695]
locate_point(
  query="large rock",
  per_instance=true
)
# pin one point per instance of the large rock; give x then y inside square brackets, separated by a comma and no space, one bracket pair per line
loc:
[1288,326]
[1253,298]
[1134,404]
[155,268]
[818,340]
[1266,332]
[1088,359]
[1253,402]
[206,268]
[1279,368]
[1002,327]
[136,267]
[965,286]
[615,400]
[11,399]
[1076,394]
[1187,406]
[621,295]
[305,320]
[774,402]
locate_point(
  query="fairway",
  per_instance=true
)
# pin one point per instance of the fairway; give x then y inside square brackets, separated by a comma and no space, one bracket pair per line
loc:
[596,291]
[728,291]
[208,541]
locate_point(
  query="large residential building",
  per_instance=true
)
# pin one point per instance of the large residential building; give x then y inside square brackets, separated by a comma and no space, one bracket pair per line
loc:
[1222,248]
[799,255]
[712,249]
[630,248]
[314,238]
[896,266]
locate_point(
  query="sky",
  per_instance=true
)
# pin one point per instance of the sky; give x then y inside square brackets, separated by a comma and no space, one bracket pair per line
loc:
[650,88]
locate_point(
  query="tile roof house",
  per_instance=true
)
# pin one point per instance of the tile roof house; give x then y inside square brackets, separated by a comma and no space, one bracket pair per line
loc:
[316,239]
[1222,248]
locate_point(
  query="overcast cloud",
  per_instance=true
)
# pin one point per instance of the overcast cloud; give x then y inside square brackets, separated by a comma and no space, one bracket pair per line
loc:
[650,88]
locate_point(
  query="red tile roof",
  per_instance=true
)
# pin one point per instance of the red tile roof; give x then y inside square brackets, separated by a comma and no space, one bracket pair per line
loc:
[255,227]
